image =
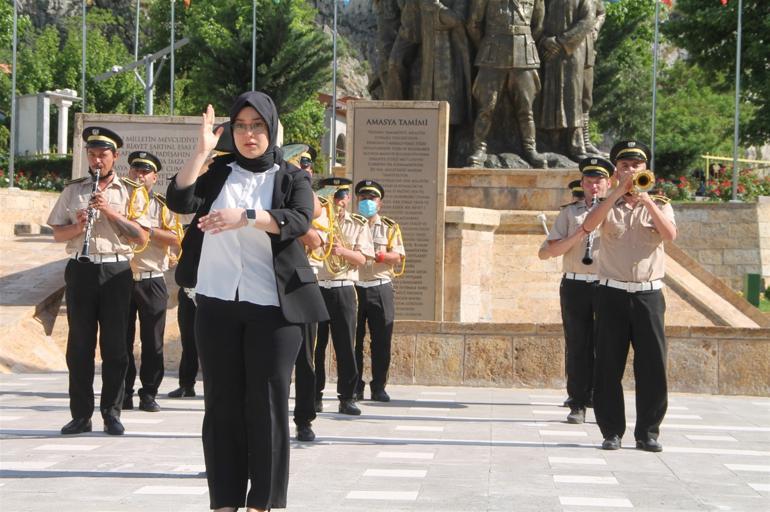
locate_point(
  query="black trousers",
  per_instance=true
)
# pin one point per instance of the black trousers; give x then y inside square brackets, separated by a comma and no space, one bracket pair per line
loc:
[577,315]
[247,353]
[188,363]
[148,300]
[638,317]
[376,306]
[98,297]
[341,305]
[304,378]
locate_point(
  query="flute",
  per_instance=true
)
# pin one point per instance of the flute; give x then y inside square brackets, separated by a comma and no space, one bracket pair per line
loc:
[588,258]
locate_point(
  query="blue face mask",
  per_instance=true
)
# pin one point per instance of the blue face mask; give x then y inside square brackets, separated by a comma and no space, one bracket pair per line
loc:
[367,208]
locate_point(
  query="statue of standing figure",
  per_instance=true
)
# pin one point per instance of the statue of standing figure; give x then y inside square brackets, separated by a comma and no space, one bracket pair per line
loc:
[567,25]
[505,32]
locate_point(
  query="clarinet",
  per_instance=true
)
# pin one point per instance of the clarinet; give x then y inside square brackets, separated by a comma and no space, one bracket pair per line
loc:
[84,257]
[588,258]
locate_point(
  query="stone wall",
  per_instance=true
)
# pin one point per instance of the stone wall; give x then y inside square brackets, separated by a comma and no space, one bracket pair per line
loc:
[719,360]
[727,239]
[24,206]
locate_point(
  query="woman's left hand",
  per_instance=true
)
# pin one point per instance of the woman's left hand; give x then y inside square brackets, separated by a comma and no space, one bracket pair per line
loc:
[222,220]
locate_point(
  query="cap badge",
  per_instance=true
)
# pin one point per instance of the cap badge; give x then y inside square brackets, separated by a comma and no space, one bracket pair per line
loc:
[142,155]
[95,131]
[631,144]
[594,161]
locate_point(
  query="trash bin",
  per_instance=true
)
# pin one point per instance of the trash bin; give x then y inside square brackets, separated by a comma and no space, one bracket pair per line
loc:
[751,288]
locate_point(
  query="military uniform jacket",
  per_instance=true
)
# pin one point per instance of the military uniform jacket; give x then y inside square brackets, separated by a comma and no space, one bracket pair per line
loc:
[570,220]
[386,238]
[105,239]
[509,29]
[154,257]
[632,249]
[358,237]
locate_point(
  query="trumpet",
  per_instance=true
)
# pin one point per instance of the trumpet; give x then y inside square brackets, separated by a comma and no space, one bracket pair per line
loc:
[84,256]
[643,181]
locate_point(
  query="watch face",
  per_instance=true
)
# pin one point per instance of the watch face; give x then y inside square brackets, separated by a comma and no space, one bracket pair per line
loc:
[251,214]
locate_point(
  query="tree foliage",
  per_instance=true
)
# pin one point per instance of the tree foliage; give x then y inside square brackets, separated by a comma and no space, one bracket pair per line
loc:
[293,56]
[694,106]
[708,31]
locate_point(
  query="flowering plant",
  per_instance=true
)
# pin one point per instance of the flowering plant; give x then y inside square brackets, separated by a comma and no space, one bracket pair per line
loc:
[48,181]
[720,185]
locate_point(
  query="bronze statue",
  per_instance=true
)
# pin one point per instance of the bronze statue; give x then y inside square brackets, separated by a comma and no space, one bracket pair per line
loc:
[445,71]
[563,48]
[588,74]
[401,82]
[505,32]
[388,14]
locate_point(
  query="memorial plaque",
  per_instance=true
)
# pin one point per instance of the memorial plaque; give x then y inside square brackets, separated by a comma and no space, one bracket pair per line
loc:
[171,139]
[403,146]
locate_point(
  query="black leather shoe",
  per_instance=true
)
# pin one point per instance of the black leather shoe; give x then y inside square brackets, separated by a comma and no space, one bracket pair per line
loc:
[358,396]
[347,406]
[305,434]
[128,403]
[380,396]
[148,404]
[77,426]
[182,392]
[649,445]
[319,405]
[113,426]
[576,416]
[611,443]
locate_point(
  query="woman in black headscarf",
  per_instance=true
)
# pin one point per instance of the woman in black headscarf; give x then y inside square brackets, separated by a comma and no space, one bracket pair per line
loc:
[255,289]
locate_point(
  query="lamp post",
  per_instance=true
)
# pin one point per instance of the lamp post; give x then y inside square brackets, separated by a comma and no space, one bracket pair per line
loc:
[655,51]
[333,138]
[173,35]
[736,130]
[11,156]
[253,44]
[83,61]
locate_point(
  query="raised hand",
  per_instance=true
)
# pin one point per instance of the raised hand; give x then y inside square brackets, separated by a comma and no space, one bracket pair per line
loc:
[207,138]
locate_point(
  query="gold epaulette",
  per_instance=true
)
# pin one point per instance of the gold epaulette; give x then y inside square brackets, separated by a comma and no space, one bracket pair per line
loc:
[77,180]
[161,199]
[662,199]
[323,201]
[388,221]
[130,182]
[568,204]
[359,218]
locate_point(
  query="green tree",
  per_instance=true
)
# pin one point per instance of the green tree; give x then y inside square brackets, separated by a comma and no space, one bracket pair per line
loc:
[623,101]
[707,30]
[305,124]
[292,59]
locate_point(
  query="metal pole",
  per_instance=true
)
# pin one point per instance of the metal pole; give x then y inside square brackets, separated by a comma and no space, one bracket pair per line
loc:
[736,131]
[172,56]
[253,44]
[12,155]
[150,81]
[83,61]
[333,139]
[654,84]
[136,54]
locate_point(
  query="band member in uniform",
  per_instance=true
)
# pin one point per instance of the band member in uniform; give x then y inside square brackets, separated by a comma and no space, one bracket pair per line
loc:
[254,291]
[580,253]
[185,311]
[352,245]
[577,189]
[304,371]
[374,288]
[630,302]
[90,216]
[149,297]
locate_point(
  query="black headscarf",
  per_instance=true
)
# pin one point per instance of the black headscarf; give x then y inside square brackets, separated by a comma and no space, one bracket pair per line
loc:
[264,105]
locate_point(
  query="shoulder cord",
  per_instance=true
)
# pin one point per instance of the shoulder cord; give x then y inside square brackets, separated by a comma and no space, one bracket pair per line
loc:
[395,234]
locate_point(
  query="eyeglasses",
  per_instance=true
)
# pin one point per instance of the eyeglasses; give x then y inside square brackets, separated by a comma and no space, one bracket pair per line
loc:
[241,128]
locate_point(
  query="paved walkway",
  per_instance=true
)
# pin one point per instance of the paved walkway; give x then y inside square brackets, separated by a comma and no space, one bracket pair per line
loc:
[431,449]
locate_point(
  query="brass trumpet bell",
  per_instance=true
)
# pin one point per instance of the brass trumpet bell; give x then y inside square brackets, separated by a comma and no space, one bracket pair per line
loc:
[643,181]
